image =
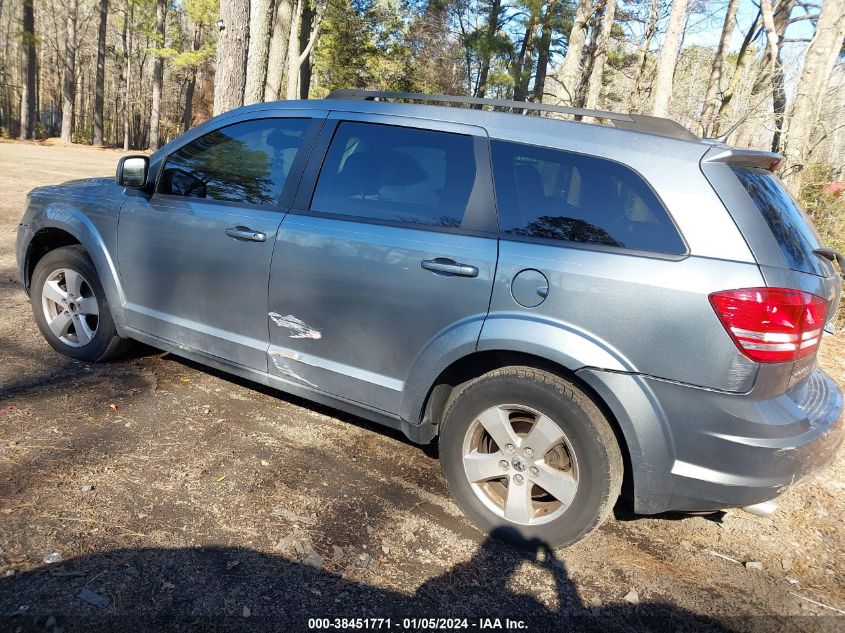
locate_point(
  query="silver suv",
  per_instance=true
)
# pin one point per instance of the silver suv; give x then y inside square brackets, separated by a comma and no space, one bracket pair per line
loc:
[562,305]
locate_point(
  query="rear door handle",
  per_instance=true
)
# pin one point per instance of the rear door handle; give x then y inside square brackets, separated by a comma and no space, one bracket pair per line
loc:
[450,267]
[245,233]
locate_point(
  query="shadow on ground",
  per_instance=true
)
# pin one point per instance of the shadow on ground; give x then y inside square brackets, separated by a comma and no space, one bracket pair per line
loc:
[226,588]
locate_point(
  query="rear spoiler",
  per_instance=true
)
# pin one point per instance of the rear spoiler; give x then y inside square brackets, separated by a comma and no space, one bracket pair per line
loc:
[743,157]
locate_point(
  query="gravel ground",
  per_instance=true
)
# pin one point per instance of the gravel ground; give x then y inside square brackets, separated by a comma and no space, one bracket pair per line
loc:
[178,497]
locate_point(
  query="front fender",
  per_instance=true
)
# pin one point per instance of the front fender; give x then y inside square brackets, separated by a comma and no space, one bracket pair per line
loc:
[97,236]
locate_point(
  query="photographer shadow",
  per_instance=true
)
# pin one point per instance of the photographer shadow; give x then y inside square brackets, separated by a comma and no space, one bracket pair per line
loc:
[233,589]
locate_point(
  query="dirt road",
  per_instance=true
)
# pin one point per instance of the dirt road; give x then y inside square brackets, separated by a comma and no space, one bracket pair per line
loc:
[174,492]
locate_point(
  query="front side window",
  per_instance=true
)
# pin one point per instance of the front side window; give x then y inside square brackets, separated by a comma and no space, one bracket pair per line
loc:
[397,174]
[559,195]
[246,162]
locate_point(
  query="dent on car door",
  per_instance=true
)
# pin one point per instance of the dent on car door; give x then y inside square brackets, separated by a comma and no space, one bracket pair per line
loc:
[390,266]
[195,255]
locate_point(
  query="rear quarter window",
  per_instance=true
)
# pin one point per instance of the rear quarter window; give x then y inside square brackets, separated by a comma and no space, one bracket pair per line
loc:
[558,195]
[792,229]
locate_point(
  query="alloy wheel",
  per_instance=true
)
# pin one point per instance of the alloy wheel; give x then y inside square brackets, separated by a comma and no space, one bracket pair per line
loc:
[520,464]
[70,307]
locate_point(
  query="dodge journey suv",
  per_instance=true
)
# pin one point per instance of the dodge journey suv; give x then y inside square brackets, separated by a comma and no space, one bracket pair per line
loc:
[562,305]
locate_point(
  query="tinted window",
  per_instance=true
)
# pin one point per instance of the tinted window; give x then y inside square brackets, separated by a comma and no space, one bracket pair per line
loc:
[790,227]
[395,173]
[559,195]
[245,162]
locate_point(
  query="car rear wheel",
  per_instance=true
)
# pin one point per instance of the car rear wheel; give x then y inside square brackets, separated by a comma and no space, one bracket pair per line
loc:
[527,455]
[70,306]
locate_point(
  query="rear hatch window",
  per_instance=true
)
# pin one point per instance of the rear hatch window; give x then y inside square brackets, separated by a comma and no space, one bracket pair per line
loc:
[793,231]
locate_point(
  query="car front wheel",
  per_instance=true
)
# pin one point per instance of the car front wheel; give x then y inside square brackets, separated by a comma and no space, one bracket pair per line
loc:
[528,455]
[70,306]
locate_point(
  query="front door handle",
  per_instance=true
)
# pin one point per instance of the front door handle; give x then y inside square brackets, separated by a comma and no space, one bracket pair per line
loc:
[245,233]
[450,267]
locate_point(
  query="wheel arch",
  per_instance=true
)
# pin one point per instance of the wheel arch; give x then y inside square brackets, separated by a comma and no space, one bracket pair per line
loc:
[452,378]
[45,240]
[64,225]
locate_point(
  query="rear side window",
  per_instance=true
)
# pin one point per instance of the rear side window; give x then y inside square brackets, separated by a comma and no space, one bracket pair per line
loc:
[792,230]
[558,195]
[398,174]
[246,162]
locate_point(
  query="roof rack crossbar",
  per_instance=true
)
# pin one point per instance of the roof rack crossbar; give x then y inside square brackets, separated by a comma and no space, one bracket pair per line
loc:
[635,122]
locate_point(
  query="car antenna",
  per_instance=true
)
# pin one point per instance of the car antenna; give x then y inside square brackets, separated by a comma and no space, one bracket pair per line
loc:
[723,138]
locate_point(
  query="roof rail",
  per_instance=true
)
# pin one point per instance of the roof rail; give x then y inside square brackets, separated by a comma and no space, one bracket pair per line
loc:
[635,122]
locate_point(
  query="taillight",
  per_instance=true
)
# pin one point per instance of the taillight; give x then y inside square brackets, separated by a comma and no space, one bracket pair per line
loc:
[771,325]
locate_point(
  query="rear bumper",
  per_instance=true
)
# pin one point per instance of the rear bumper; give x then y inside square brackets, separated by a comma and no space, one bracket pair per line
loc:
[695,449]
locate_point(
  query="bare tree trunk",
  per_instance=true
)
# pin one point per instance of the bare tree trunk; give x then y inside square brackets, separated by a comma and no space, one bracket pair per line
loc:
[260,21]
[293,56]
[305,27]
[522,76]
[770,76]
[128,15]
[772,38]
[99,87]
[190,86]
[278,53]
[736,78]
[524,63]
[718,68]
[28,72]
[230,77]
[158,75]
[69,80]
[668,57]
[492,28]
[188,110]
[642,56]
[543,51]
[600,56]
[297,53]
[587,60]
[570,71]
[819,62]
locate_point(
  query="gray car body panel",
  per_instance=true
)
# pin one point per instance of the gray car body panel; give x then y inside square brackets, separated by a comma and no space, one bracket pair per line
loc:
[339,311]
[590,320]
[370,309]
[87,209]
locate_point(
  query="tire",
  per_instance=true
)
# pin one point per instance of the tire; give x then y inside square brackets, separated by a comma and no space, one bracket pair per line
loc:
[523,406]
[83,306]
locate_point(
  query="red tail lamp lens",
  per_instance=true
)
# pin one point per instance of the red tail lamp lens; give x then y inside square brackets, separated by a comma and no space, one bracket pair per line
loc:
[771,325]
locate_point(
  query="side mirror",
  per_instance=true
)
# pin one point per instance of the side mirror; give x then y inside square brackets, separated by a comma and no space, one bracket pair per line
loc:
[132,171]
